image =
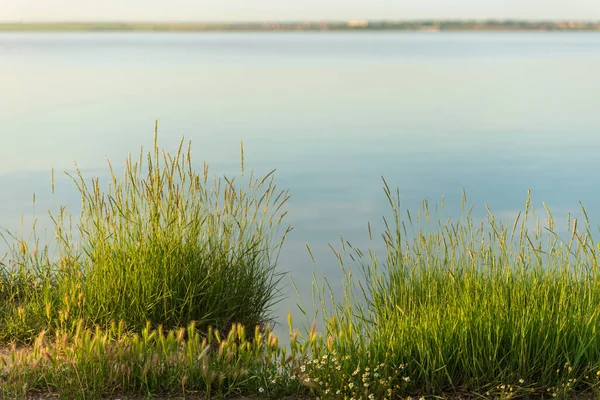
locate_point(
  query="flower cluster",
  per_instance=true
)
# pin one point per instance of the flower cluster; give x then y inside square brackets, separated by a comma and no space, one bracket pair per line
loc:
[331,376]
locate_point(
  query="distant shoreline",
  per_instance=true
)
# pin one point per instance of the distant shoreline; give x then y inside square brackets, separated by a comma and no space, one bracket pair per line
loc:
[351,25]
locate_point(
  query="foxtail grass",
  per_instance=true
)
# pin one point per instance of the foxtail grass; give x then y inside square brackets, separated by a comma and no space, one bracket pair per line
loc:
[451,306]
[162,243]
[491,308]
[95,363]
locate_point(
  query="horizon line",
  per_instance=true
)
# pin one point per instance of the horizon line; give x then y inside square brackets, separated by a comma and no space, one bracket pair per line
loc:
[296,21]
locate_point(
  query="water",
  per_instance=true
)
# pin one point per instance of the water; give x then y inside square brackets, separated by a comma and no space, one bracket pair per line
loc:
[493,113]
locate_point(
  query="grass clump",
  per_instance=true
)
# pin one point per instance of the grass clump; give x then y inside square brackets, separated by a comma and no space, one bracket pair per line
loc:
[489,308]
[188,266]
[164,244]
[98,363]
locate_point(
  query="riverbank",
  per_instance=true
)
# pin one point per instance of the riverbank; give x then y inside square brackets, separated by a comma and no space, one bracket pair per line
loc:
[169,288]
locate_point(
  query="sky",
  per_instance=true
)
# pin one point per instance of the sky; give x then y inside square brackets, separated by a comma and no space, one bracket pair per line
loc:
[280,10]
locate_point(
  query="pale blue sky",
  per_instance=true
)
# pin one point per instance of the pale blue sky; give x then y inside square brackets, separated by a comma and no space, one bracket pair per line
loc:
[235,10]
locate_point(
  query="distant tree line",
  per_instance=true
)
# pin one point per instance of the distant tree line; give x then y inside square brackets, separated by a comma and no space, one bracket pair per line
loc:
[429,25]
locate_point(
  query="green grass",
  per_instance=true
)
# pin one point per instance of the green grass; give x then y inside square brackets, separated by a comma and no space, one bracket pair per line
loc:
[88,364]
[163,244]
[188,265]
[490,308]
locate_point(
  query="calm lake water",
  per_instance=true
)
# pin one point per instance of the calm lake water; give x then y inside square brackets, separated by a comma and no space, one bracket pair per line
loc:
[493,113]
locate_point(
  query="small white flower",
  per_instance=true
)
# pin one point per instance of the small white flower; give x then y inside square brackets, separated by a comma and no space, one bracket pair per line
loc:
[521,381]
[303,368]
[261,390]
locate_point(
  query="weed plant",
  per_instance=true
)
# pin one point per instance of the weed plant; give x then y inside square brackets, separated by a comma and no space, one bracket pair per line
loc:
[90,364]
[453,307]
[492,308]
[163,244]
